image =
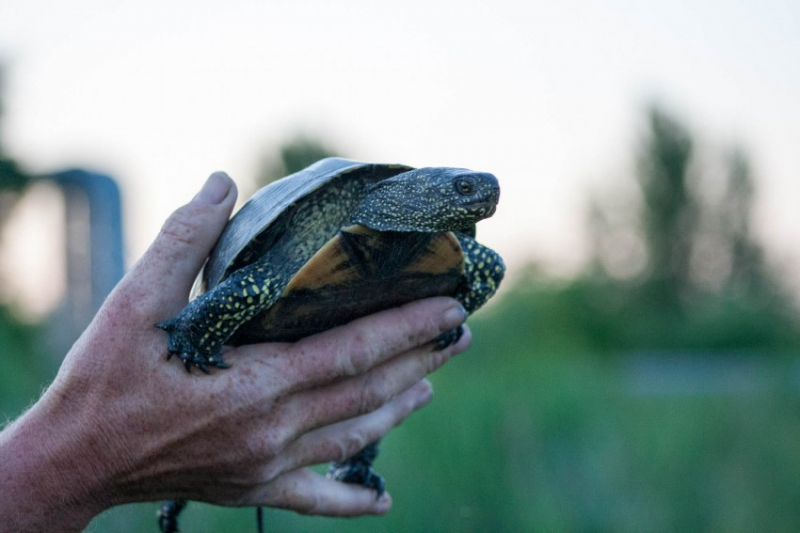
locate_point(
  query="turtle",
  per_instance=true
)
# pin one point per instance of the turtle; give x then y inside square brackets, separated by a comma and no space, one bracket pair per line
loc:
[339,240]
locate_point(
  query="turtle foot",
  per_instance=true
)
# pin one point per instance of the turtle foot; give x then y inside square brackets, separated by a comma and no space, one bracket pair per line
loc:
[168,515]
[448,338]
[358,470]
[180,343]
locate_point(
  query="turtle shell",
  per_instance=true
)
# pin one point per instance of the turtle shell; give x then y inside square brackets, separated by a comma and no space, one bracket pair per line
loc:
[267,215]
[344,272]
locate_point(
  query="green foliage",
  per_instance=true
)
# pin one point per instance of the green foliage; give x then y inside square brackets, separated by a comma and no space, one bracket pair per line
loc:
[24,369]
[293,155]
[525,434]
[22,372]
[606,316]
[599,403]
[11,177]
[694,233]
[669,216]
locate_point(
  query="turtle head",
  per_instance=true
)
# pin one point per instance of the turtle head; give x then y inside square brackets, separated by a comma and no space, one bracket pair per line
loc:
[429,199]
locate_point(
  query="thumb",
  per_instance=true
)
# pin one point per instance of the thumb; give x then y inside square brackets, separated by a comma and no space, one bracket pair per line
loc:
[168,268]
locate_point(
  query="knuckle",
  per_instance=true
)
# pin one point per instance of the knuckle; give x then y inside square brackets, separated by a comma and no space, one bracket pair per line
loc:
[435,360]
[269,471]
[423,331]
[180,227]
[263,446]
[359,354]
[420,327]
[344,446]
[368,397]
[292,496]
[310,504]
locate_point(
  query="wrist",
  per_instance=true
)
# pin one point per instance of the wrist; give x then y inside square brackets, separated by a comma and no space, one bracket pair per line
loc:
[52,475]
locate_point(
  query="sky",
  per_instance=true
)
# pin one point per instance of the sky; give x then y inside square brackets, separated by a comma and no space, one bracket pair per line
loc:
[550,97]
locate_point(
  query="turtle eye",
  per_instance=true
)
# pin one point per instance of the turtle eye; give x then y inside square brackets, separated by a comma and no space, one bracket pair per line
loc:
[465,186]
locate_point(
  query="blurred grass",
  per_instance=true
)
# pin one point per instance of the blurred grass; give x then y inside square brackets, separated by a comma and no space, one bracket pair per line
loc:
[524,438]
[24,371]
[652,403]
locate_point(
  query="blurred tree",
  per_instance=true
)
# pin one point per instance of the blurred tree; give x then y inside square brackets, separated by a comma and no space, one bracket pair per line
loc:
[293,155]
[676,268]
[747,269]
[670,213]
[690,244]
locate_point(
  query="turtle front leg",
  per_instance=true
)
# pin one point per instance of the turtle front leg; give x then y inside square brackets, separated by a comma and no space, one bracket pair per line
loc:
[358,470]
[199,331]
[483,271]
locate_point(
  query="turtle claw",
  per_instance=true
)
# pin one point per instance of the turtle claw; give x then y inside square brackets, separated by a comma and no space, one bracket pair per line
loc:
[448,338]
[358,470]
[178,343]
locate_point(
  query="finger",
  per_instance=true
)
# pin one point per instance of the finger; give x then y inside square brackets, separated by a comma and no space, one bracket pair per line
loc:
[367,392]
[341,441]
[309,493]
[173,260]
[354,348]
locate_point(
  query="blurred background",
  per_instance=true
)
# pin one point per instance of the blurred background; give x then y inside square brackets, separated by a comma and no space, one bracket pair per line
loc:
[639,369]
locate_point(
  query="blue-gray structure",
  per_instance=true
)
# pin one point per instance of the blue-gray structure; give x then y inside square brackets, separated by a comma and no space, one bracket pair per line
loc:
[94,246]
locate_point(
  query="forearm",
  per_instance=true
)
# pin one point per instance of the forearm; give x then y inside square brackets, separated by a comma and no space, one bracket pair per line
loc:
[48,480]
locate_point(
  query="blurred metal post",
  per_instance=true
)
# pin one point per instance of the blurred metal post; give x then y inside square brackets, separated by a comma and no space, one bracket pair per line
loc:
[94,246]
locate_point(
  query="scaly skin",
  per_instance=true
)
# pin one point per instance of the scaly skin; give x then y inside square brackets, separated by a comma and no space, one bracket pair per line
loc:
[197,334]
[483,272]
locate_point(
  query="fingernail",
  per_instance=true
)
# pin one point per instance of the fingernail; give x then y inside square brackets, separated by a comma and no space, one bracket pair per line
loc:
[425,394]
[215,189]
[454,317]
[384,503]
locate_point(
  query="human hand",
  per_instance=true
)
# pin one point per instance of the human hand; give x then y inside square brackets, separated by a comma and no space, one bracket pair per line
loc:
[119,424]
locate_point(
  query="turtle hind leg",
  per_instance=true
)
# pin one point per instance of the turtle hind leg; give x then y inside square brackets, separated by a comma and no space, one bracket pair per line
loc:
[168,515]
[358,470]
